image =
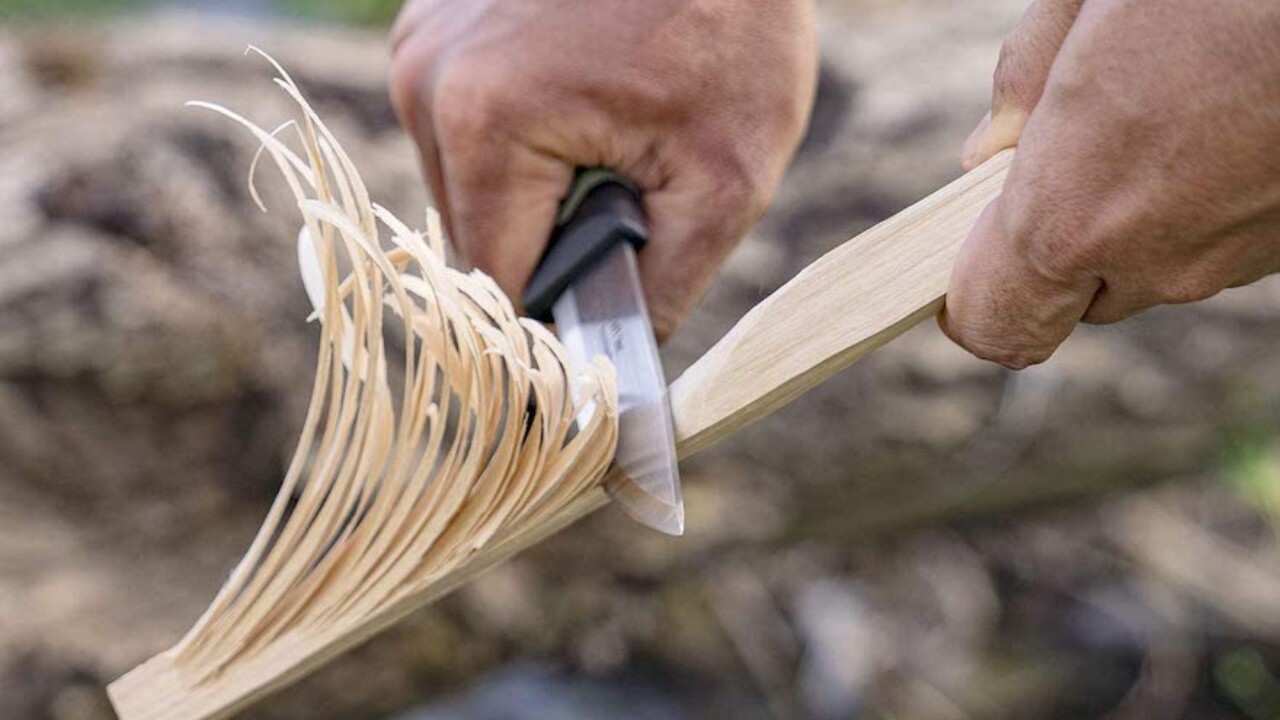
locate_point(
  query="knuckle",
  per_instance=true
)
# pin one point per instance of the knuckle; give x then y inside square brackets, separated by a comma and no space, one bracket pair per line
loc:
[664,327]
[665,317]
[1030,50]
[1107,314]
[1187,289]
[1009,81]
[985,344]
[741,189]
[1012,357]
[468,105]
[404,85]
[1057,245]
[1060,258]
[404,25]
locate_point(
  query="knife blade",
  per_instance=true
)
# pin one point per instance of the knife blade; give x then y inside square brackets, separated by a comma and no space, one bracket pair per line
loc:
[588,282]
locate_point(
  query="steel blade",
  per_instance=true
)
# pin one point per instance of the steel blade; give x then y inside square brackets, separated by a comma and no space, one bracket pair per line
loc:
[603,313]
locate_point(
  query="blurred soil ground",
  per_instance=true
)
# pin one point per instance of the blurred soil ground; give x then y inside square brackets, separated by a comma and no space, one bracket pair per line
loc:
[923,538]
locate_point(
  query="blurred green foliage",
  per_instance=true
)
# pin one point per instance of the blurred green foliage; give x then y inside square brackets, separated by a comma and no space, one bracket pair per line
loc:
[361,12]
[356,12]
[43,9]
[1254,469]
[1243,676]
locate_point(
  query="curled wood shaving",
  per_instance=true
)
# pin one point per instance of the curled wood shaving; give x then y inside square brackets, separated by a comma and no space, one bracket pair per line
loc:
[399,477]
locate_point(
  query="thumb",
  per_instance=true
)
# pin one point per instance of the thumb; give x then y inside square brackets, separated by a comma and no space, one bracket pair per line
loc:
[1021,74]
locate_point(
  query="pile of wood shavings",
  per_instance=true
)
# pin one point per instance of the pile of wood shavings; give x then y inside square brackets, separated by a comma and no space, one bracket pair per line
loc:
[385,499]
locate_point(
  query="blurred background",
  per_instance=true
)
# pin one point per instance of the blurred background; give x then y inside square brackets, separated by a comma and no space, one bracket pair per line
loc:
[925,537]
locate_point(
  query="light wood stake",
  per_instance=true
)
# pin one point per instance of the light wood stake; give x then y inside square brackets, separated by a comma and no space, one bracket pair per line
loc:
[847,303]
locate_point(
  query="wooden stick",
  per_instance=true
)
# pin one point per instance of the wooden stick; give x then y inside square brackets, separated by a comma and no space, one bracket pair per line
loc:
[849,302]
[495,439]
[160,690]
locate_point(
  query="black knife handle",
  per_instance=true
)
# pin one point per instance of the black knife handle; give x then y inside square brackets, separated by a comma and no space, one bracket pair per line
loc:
[601,210]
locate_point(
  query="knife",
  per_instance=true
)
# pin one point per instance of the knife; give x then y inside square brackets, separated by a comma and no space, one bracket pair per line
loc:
[588,283]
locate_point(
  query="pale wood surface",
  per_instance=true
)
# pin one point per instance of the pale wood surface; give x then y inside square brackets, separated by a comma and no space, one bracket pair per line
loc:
[386,506]
[847,303]
[158,690]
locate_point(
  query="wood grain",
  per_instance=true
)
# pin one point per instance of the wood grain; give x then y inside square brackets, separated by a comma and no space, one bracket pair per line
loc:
[159,690]
[849,302]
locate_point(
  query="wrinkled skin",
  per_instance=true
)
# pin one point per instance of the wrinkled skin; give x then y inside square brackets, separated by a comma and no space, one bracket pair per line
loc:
[1147,170]
[702,102]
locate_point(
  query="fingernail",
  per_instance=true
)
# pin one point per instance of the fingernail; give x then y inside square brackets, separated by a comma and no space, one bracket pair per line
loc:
[993,134]
[970,149]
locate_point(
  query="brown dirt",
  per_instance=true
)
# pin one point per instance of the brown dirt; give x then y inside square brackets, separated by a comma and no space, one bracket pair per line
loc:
[154,362]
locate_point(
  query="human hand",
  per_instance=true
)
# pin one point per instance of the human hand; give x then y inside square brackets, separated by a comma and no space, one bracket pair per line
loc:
[701,102]
[1147,171]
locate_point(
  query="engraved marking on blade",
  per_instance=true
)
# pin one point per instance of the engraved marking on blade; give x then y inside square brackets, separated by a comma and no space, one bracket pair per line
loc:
[612,335]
